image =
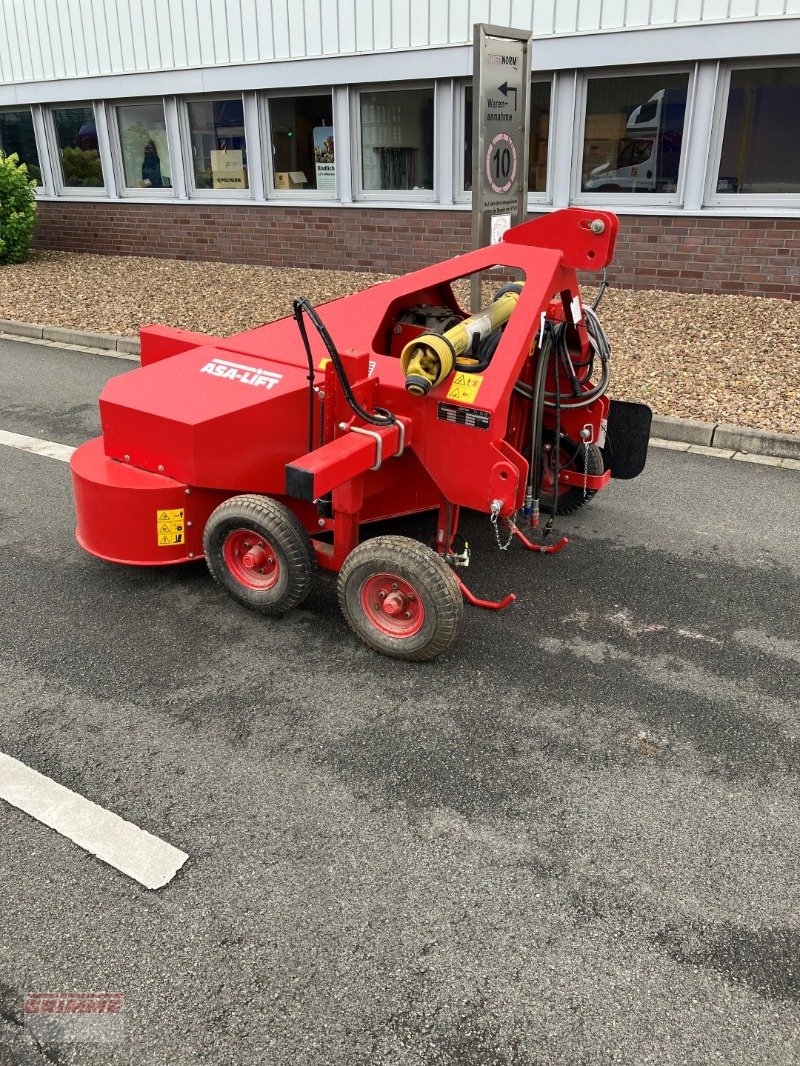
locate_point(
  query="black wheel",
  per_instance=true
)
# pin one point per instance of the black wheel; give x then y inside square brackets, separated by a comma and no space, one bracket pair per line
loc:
[259,552]
[400,598]
[579,457]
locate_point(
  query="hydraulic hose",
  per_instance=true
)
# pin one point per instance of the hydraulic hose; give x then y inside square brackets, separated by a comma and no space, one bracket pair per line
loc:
[380,416]
[536,396]
[601,291]
[600,346]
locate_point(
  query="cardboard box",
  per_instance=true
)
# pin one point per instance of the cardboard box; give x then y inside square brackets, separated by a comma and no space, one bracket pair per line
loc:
[597,152]
[290,179]
[604,127]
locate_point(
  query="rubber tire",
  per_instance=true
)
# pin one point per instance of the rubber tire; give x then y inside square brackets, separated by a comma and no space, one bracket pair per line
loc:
[573,498]
[433,580]
[286,535]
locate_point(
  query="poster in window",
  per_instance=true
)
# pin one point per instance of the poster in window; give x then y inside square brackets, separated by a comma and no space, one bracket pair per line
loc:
[324,158]
[227,170]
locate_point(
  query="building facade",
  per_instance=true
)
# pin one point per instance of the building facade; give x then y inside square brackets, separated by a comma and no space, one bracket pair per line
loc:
[337,133]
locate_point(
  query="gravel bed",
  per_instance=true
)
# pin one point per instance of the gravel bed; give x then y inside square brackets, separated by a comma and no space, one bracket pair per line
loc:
[717,358]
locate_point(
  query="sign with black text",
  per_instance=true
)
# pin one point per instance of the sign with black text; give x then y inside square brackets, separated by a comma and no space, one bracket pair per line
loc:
[500,138]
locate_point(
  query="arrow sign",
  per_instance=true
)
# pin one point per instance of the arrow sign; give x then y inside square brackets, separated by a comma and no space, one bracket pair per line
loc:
[505,89]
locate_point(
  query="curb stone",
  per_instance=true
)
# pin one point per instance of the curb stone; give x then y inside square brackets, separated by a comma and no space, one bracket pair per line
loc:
[108,342]
[714,436]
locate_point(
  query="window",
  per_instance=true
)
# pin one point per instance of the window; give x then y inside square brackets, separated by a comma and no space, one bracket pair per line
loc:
[76,140]
[539,137]
[17,138]
[217,139]
[301,135]
[633,133]
[145,149]
[761,143]
[397,140]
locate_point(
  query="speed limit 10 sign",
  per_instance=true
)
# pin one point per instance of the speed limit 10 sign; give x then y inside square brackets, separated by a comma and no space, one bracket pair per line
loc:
[501,163]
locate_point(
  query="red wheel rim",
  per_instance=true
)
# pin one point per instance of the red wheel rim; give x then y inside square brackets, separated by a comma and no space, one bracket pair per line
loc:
[251,559]
[392,605]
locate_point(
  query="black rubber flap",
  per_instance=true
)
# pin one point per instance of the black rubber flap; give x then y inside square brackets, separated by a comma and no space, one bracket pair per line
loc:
[627,437]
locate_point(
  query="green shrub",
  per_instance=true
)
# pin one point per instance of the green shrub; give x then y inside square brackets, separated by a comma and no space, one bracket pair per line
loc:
[17,210]
[82,168]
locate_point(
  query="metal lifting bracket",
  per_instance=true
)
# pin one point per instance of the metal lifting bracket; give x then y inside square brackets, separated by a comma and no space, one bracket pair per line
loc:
[401,429]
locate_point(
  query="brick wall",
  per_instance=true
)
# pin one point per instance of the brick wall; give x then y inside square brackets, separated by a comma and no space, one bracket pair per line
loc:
[757,256]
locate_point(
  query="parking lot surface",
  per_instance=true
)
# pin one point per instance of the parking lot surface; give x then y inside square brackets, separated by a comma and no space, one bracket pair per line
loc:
[572,839]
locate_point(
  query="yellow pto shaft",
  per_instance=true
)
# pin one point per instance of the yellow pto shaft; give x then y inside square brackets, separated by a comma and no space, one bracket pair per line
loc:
[427,360]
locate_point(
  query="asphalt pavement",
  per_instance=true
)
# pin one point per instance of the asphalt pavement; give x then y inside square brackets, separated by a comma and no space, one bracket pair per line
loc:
[572,839]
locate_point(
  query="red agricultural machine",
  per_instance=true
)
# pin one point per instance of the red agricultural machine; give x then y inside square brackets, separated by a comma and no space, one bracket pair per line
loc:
[268,451]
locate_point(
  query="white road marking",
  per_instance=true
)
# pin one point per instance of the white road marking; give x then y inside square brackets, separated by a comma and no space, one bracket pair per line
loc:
[131,850]
[34,444]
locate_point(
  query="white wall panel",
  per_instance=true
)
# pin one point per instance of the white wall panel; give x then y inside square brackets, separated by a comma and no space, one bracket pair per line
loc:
[612,14]
[521,14]
[296,15]
[544,17]
[500,12]
[689,10]
[637,13]
[418,24]
[438,23]
[314,35]
[381,24]
[401,24]
[662,12]
[566,16]
[460,25]
[185,43]
[715,9]
[266,32]
[589,16]
[280,28]
[479,11]
[46,40]
[345,24]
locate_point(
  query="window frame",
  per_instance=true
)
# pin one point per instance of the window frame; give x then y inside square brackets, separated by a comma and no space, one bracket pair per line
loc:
[628,199]
[99,192]
[743,201]
[184,122]
[16,109]
[383,196]
[112,119]
[265,132]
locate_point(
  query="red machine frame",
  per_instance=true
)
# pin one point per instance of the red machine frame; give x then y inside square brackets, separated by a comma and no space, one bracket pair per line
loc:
[206,418]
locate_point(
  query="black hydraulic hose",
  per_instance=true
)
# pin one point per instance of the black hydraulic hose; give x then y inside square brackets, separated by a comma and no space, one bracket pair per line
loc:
[556,454]
[600,345]
[601,291]
[537,413]
[302,327]
[380,417]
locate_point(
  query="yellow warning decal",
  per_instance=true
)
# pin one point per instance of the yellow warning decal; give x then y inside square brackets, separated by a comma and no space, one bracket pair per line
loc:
[170,529]
[464,387]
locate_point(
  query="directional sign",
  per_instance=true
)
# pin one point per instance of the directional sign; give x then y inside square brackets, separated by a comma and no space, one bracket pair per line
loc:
[505,89]
[500,117]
